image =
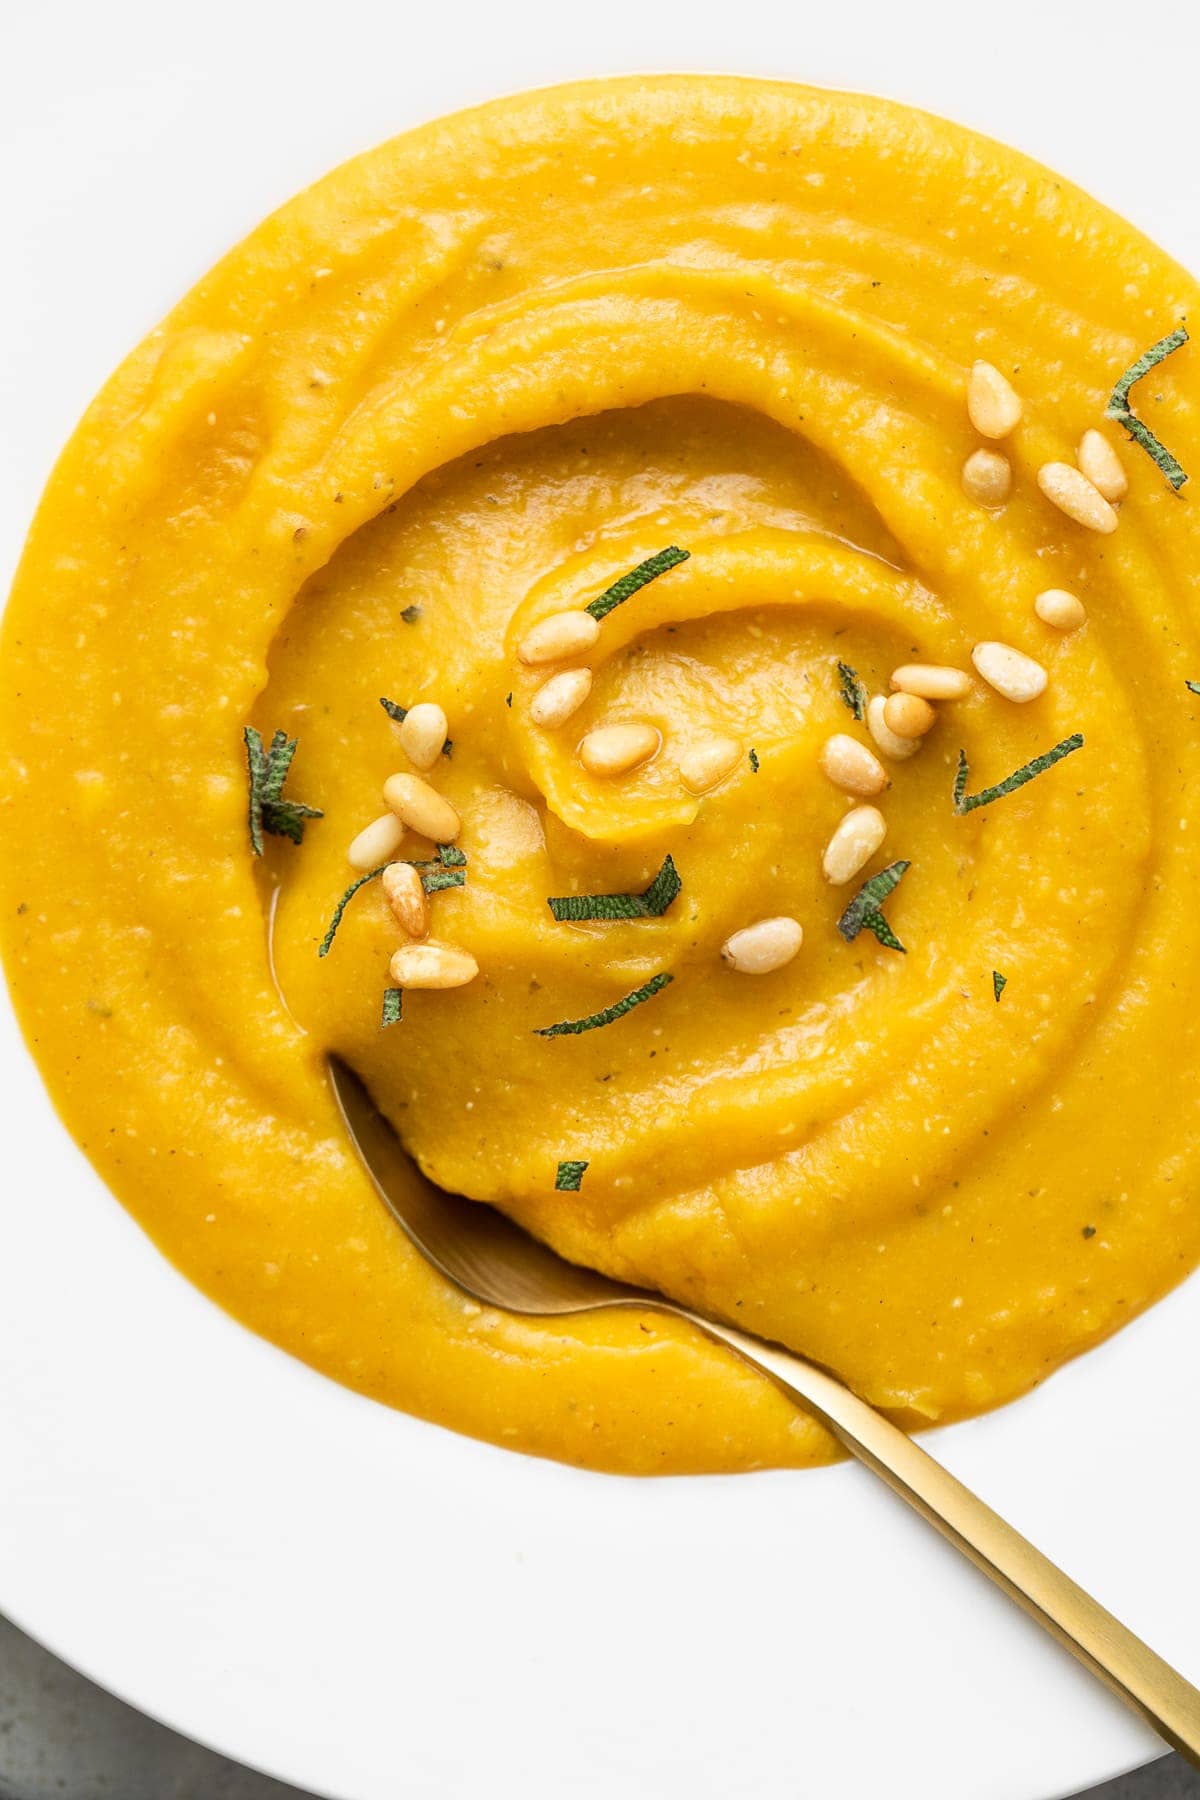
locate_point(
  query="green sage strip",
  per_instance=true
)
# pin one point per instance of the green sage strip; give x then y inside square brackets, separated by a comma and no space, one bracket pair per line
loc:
[1193,686]
[873,920]
[965,803]
[435,880]
[618,1009]
[268,770]
[863,912]
[449,870]
[650,904]
[999,983]
[852,691]
[569,1177]
[393,1006]
[1119,408]
[343,903]
[637,578]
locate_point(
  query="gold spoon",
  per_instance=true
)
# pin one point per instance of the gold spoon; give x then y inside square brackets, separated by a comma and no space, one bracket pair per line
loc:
[493,1260]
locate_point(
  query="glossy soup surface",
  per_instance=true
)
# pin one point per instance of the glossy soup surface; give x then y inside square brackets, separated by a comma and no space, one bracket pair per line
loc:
[466,382]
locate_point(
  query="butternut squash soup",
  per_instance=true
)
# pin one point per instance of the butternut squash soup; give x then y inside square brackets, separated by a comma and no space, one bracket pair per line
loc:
[714,561]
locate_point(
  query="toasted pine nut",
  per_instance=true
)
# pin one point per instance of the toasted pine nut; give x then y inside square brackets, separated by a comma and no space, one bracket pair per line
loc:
[560,698]
[1017,676]
[1075,495]
[375,843]
[908,715]
[1057,607]
[851,766]
[407,898]
[1102,466]
[853,844]
[432,965]
[889,741]
[561,635]
[758,949]
[422,808]
[615,749]
[987,477]
[423,734]
[932,681]
[711,760]
[993,403]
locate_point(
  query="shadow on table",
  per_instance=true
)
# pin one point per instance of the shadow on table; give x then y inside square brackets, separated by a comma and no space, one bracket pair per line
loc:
[1169,1779]
[61,1738]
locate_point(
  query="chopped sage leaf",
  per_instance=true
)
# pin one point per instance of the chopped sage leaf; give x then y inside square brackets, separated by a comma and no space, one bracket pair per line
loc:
[873,920]
[1119,408]
[343,903]
[508,700]
[411,614]
[569,1177]
[650,904]
[863,912]
[393,1006]
[965,803]
[854,694]
[637,578]
[1193,685]
[448,870]
[755,765]
[999,983]
[268,810]
[434,880]
[606,1016]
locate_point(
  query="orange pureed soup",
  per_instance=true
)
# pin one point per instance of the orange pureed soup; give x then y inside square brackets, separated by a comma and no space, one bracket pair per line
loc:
[940,1137]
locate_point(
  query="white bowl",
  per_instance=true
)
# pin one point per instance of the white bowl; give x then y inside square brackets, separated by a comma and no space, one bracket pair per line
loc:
[358,1602]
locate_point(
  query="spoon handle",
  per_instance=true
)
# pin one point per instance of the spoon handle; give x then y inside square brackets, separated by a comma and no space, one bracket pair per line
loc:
[1154,1689]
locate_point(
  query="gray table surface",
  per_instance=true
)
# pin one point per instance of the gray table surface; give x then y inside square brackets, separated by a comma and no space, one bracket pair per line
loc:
[61,1738]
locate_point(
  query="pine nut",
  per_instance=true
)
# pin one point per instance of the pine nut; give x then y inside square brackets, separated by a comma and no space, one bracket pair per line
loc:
[853,844]
[1103,467]
[1017,676]
[561,635]
[908,715]
[758,949]
[705,764]
[375,843]
[1057,607]
[889,741]
[851,766]
[932,681]
[432,965]
[987,477]
[422,808]
[423,734]
[615,749]
[407,898]
[993,404]
[560,698]
[1074,494]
